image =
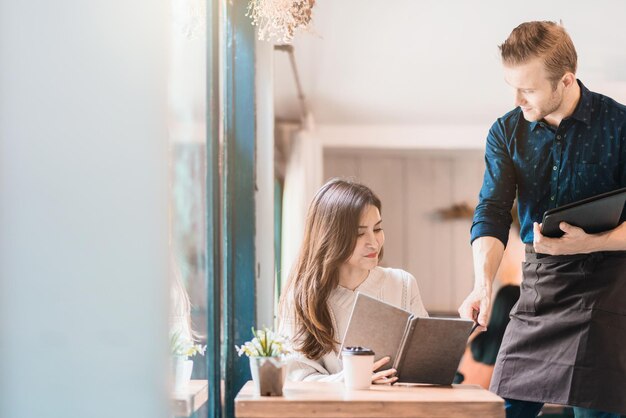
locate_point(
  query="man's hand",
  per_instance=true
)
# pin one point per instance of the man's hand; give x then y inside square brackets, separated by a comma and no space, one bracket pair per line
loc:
[487,252]
[476,307]
[575,241]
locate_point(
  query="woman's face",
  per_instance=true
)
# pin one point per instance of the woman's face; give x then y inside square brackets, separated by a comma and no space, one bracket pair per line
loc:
[370,240]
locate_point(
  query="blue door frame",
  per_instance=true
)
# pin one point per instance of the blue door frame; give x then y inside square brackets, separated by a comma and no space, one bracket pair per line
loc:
[230,183]
[238,197]
[213,247]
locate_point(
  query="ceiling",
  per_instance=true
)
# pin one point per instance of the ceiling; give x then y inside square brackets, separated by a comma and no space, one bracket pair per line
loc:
[433,62]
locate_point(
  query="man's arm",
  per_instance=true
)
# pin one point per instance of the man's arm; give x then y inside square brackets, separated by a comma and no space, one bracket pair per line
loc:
[487,253]
[491,223]
[577,241]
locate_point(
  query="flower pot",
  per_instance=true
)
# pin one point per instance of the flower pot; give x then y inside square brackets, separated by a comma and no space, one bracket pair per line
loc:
[268,375]
[181,371]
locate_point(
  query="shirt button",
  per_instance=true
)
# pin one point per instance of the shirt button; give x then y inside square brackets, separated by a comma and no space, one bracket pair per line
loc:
[554,168]
[558,137]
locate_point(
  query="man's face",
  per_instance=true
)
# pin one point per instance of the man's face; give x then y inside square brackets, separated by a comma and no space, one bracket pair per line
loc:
[533,90]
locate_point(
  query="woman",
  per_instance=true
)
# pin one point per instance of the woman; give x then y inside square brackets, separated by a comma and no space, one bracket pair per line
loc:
[342,246]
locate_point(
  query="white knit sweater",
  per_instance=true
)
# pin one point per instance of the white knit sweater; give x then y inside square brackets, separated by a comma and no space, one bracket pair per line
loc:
[393,286]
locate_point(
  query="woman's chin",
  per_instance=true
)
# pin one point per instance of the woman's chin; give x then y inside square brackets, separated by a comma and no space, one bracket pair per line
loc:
[370,265]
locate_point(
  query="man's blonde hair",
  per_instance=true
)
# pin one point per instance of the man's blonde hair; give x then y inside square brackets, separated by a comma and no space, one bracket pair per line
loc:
[546,40]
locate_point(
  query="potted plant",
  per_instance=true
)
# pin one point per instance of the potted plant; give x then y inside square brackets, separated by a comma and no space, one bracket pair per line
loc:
[267,352]
[182,347]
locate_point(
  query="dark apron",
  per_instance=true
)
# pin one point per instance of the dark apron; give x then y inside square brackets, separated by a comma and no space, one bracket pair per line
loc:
[566,342]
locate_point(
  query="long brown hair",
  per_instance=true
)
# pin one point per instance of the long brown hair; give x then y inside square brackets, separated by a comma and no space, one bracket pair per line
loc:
[330,237]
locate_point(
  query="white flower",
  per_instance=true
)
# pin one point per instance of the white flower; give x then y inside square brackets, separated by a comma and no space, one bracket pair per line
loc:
[182,345]
[266,343]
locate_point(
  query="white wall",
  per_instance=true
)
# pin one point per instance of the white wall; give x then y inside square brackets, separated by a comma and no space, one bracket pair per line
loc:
[407,62]
[83,209]
[403,137]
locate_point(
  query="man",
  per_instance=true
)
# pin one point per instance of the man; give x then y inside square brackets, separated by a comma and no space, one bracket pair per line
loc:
[566,342]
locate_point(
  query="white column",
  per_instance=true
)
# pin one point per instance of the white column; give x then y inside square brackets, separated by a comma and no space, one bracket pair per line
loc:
[83,209]
[264,198]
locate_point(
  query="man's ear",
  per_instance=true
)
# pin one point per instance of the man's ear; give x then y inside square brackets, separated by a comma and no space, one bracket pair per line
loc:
[568,79]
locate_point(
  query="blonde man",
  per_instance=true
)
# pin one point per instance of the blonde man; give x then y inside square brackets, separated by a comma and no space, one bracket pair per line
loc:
[566,341]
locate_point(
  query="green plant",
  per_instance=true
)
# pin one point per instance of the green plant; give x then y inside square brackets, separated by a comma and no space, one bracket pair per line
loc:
[266,343]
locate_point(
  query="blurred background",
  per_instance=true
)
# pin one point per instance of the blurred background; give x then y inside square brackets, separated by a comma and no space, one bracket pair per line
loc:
[117,119]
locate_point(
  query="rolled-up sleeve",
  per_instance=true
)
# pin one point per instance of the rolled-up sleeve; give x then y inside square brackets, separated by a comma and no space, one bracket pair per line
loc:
[492,217]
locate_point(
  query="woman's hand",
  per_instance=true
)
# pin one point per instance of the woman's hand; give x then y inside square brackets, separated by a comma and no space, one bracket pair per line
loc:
[385,376]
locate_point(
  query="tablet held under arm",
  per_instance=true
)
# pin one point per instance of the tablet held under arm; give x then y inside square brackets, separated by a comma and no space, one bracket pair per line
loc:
[595,214]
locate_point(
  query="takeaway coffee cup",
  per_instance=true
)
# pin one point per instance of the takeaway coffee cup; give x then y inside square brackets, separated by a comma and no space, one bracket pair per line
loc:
[357,367]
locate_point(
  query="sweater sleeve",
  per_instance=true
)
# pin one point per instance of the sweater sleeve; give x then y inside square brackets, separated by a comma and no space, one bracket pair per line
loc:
[416,304]
[303,369]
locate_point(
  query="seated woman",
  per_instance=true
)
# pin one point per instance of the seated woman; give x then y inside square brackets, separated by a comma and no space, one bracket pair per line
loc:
[342,246]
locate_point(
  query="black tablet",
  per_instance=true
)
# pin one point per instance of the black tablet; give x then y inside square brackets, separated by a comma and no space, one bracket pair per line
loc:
[594,214]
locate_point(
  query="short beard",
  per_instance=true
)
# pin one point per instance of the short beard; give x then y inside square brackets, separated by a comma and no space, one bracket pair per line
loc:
[553,105]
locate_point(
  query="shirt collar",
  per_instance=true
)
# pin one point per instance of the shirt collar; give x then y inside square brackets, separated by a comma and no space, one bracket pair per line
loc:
[536,123]
[582,112]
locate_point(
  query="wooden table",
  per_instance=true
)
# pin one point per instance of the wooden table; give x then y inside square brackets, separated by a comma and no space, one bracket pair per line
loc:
[318,399]
[195,395]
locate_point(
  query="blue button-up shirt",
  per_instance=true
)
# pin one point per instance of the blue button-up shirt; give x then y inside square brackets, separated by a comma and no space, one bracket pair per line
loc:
[545,167]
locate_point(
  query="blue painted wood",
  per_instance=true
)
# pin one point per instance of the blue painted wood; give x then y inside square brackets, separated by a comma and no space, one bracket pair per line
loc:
[238,193]
[213,255]
[278,221]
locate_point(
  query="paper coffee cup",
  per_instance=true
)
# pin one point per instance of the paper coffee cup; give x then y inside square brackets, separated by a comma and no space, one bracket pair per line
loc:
[357,367]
